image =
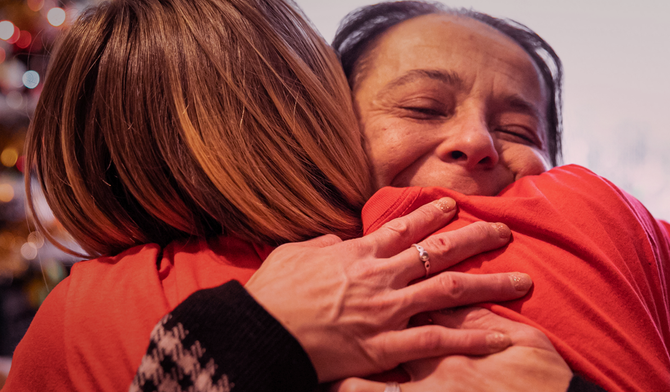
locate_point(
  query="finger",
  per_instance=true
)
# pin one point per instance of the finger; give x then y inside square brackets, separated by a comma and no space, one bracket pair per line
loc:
[450,248]
[480,318]
[398,234]
[427,341]
[453,289]
[355,384]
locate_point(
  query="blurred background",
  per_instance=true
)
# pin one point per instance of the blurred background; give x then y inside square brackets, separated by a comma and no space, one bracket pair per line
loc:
[29,266]
[616,98]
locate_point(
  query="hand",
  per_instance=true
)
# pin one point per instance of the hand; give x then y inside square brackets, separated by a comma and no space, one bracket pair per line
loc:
[530,364]
[348,303]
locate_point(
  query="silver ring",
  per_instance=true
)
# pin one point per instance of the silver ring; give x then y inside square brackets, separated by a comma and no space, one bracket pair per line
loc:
[423,256]
[392,387]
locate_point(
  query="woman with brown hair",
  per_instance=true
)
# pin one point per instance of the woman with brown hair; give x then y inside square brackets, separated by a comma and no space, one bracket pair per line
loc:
[178,140]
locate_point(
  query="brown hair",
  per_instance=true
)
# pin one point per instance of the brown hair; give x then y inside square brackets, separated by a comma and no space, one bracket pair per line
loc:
[162,119]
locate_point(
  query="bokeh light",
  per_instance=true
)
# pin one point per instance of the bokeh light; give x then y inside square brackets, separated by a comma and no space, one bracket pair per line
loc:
[35,5]
[24,39]
[36,238]
[15,37]
[56,16]
[28,251]
[6,193]
[9,156]
[6,30]
[21,163]
[12,72]
[15,100]
[31,79]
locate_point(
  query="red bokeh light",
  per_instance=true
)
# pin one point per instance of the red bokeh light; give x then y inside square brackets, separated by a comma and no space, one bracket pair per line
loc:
[24,40]
[35,5]
[21,163]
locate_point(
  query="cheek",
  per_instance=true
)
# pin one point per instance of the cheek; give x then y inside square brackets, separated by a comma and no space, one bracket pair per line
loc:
[525,161]
[391,148]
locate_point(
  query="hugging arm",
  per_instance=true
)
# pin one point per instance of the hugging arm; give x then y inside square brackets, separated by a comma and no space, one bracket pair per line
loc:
[325,309]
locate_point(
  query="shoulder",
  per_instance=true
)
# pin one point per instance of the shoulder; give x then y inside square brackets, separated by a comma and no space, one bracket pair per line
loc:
[136,258]
[43,341]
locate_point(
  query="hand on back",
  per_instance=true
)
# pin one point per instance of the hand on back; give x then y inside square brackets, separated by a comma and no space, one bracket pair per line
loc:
[349,302]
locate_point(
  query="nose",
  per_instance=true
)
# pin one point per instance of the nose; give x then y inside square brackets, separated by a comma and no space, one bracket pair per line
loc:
[468,142]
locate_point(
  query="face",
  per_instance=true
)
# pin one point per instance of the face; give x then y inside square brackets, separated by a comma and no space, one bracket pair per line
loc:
[449,101]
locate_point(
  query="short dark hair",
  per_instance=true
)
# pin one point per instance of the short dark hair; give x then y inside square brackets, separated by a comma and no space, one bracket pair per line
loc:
[360,29]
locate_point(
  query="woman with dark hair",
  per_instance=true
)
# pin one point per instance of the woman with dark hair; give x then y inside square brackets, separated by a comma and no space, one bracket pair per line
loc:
[457,103]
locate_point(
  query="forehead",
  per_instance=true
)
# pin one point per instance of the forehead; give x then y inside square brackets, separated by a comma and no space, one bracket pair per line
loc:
[472,49]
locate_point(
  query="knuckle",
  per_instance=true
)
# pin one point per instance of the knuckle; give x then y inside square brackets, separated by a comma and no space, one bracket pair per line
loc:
[381,353]
[356,248]
[284,250]
[331,238]
[429,340]
[451,285]
[439,245]
[399,227]
[365,271]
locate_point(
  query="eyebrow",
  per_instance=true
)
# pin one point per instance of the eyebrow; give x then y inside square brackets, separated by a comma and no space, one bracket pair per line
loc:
[514,101]
[520,105]
[446,77]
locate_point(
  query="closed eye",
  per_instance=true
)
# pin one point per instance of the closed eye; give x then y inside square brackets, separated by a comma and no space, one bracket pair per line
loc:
[422,112]
[517,135]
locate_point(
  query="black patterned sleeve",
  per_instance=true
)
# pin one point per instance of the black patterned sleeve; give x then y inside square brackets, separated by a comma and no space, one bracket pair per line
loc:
[221,339]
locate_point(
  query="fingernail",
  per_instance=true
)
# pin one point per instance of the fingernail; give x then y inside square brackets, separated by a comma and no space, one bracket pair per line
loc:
[521,282]
[497,341]
[445,204]
[502,229]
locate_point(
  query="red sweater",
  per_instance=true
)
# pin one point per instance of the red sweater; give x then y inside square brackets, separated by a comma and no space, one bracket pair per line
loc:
[601,272]
[599,260]
[92,330]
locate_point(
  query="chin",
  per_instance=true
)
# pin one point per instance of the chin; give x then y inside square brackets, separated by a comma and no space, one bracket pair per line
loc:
[489,183]
[478,189]
[467,186]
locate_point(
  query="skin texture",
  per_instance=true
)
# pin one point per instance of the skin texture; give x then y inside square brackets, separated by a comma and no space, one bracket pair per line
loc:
[449,101]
